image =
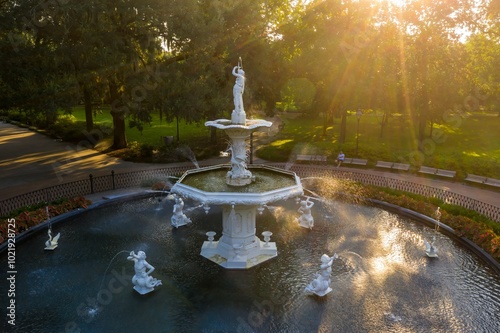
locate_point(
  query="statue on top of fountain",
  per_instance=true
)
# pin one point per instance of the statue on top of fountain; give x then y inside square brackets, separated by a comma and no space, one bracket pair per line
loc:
[321,284]
[143,283]
[179,218]
[238,116]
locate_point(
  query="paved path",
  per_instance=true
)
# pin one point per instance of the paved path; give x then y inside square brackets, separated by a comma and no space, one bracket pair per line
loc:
[30,161]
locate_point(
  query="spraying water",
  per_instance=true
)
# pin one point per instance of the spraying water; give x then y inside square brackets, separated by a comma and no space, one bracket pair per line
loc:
[185,151]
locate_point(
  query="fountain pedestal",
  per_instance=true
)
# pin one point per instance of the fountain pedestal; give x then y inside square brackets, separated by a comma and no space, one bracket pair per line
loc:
[239,247]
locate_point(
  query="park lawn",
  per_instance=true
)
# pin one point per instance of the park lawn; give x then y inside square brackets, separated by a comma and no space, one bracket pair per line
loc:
[469,145]
[304,135]
[151,134]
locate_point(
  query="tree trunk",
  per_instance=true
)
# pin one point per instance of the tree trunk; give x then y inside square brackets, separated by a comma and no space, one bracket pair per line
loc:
[119,137]
[87,101]
[343,126]
[383,124]
[177,124]
[213,135]
[421,125]
[119,112]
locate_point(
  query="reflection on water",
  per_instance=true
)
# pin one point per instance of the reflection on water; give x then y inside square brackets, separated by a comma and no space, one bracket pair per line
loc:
[382,281]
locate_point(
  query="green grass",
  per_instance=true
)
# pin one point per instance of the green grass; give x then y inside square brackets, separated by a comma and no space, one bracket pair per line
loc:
[151,134]
[471,145]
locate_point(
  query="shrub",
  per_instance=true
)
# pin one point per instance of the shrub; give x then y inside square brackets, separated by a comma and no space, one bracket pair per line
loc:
[37,214]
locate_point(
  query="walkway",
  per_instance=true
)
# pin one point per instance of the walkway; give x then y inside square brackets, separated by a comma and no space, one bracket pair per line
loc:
[31,161]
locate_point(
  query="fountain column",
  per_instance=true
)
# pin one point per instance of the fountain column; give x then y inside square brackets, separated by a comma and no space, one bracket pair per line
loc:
[239,247]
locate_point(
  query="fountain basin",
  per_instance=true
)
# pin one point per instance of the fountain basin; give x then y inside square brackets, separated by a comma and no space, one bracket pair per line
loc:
[382,281]
[207,186]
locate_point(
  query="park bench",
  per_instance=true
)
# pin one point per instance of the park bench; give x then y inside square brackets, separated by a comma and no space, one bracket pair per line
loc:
[428,170]
[383,164]
[446,173]
[356,161]
[492,182]
[401,166]
[393,166]
[437,172]
[311,158]
[475,178]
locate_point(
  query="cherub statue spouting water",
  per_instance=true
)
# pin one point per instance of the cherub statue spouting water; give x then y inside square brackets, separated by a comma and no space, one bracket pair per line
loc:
[143,282]
[321,284]
[51,244]
[179,218]
[306,219]
[430,249]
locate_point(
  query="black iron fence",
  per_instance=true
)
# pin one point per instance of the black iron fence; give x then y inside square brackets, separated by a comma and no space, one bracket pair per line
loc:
[113,181]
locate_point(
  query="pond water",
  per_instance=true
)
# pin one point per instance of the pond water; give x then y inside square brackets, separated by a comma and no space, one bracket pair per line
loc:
[382,281]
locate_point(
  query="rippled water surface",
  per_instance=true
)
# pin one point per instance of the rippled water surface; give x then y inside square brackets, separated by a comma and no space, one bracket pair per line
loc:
[382,281]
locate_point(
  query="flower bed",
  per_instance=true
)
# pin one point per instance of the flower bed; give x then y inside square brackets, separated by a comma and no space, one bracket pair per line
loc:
[482,231]
[30,217]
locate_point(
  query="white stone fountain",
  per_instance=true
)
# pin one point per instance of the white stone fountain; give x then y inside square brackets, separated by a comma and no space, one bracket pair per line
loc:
[246,190]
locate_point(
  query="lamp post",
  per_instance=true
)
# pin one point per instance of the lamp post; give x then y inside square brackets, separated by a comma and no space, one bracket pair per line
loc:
[251,147]
[358,115]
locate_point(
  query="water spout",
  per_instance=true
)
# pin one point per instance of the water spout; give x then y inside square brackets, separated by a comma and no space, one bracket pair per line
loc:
[185,151]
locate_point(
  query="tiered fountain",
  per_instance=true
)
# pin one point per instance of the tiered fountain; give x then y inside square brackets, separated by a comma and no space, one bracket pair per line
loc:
[242,191]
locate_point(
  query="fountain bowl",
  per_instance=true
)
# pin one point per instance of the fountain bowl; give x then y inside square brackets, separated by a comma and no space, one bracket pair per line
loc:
[207,185]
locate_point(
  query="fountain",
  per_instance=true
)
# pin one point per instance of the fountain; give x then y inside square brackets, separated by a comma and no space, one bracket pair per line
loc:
[383,282]
[245,192]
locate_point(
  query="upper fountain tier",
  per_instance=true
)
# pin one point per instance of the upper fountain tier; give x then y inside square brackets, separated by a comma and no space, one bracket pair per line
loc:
[248,124]
[239,129]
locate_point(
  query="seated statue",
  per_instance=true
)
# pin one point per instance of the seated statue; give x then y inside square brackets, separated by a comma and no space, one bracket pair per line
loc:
[143,283]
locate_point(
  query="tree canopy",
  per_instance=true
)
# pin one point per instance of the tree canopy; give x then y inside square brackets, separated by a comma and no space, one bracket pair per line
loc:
[325,57]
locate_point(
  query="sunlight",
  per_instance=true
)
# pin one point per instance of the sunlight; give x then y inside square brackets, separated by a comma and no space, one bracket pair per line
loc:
[278,143]
[398,3]
[15,136]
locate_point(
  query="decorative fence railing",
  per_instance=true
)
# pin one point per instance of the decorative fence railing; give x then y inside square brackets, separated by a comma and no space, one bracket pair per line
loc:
[88,186]
[138,178]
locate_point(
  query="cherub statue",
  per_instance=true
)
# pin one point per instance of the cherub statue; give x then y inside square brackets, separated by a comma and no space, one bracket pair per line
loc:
[321,284]
[143,283]
[306,219]
[179,218]
[430,249]
[51,244]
